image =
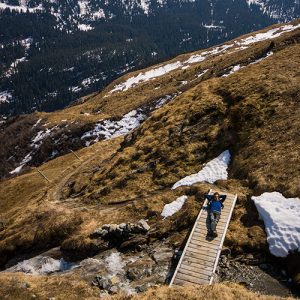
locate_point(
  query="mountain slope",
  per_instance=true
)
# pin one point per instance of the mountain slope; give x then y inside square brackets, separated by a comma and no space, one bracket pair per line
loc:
[176,117]
[55,52]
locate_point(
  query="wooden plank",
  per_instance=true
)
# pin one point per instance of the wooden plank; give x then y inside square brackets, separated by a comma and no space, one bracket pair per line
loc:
[201,257]
[212,242]
[192,260]
[204,227]
[181,282]
[195,249]
[196,275]
[191,279]
[206,246]
[203,271]
[204,250]
[195,266]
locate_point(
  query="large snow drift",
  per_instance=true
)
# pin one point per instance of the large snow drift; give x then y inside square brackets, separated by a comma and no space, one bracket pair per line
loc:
[214,170]
[282,222]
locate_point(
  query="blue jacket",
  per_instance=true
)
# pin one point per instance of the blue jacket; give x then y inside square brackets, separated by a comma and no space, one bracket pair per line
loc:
[215,205]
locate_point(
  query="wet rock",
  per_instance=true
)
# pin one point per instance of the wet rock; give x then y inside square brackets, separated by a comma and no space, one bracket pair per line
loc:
[98,233]
[139,269]
[102,282]
[134,243]
[144,225]
[114,289]
[162,255]
[117,234]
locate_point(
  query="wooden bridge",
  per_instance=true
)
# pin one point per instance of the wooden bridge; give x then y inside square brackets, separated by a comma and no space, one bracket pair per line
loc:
[201,254]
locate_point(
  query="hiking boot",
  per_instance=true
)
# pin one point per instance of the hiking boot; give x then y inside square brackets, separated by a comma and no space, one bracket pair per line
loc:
[215,233]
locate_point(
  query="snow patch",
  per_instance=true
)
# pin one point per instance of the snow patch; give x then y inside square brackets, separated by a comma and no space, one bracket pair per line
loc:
[5,96]
[41,265]
[282,222]
[21,8]
[196,58]
[142,77]
[108,129]
[84,27]
[173,207]
[214,170]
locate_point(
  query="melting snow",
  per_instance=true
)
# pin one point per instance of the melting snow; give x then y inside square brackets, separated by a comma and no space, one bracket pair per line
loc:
[111,129]
[173,207]
[84,27]
[21,9]
[142,77]
[108,129]
[40,265]
[214,170]
[282,222]
[5,96]
[196,58]
[36,142]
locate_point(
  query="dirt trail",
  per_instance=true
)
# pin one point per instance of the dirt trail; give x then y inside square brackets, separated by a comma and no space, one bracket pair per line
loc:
[54,194]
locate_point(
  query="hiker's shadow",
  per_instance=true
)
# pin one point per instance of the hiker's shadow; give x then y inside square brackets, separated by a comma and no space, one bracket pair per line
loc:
[209,236]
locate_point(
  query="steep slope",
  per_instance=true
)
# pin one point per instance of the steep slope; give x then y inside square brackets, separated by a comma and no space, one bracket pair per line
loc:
[176,117]
[53,52]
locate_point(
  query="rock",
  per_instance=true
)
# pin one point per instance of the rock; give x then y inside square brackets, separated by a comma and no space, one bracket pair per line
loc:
[123,226]
[114,289]
[112,228]
[104,283]
[98,233]
[144,225]
[106,227]
[162,255]
[139,269]
[134,242]
[115,280]
[141,288]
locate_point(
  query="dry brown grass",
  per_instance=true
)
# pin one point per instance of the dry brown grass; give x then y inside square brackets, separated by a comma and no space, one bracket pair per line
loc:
[217,291]
[22,287]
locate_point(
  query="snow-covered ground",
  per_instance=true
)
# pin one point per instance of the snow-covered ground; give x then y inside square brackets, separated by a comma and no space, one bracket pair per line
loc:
[173,207]
[21,8]
[236,45]
[238,67]
[282,222]
[214,170]
[5,96]
[108,129]
[85,27]
[36,143]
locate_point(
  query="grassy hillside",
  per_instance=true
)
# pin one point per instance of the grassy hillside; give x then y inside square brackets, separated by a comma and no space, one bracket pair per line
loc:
[253,112]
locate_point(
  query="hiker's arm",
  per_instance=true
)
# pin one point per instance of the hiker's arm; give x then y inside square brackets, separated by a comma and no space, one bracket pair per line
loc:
[223,198]
[208,197]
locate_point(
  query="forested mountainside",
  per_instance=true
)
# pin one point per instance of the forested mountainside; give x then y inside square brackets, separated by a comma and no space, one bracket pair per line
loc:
[108,217]
[52,53]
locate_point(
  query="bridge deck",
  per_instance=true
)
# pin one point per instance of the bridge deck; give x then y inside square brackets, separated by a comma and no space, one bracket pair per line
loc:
[201,254]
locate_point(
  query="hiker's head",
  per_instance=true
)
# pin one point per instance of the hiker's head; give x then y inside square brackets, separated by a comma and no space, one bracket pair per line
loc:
[216,196]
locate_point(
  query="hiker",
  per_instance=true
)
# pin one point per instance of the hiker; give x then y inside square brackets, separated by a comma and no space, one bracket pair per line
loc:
[215,205]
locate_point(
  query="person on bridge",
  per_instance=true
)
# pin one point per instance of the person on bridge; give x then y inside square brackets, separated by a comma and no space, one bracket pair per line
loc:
[215,205]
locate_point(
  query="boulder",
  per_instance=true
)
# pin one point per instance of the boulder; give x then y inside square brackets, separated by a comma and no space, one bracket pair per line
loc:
[144,225]
[139,269]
